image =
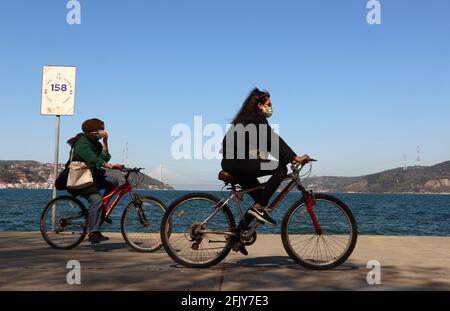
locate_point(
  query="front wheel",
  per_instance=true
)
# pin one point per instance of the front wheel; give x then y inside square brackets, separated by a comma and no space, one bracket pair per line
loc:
[196,231]
[140,224]
[328,248]
[63,222]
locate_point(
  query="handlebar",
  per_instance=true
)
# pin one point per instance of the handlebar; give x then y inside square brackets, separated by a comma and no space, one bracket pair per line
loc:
[132,170]
[302,164]
[129,170]
[296,168]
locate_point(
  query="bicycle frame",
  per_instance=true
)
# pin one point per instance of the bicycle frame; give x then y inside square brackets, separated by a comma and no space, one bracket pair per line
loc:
[120,191]
[237,194]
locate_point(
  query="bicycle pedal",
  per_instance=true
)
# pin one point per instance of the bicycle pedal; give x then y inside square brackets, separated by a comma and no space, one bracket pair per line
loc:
[236,246]
[240,247]
[108,220]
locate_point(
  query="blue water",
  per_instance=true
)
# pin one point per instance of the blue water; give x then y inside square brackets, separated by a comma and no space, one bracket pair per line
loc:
[380,214]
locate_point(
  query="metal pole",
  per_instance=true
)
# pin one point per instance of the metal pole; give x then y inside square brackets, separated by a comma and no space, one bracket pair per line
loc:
[55,170]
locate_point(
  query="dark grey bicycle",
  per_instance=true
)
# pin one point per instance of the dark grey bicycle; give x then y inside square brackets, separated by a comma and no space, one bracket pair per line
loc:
[318,231]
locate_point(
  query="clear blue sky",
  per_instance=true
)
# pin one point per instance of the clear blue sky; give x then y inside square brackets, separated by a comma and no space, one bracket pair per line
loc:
[355,96]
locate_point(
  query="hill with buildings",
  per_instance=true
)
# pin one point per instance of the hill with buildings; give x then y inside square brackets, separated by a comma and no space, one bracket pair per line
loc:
[36,175]
[413,179]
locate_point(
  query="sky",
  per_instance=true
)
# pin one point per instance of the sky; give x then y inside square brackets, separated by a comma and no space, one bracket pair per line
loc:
[355,96]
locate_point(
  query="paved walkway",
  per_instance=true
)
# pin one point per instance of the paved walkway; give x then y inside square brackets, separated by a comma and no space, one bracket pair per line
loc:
[407,263]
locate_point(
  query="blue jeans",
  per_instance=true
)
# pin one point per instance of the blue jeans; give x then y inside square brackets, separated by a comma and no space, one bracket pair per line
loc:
[96,203]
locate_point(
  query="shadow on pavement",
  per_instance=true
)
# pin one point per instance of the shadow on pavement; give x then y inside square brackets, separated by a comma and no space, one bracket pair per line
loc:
[106,247]
[280,262]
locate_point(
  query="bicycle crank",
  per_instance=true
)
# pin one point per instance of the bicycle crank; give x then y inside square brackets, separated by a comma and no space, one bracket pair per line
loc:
[248,239]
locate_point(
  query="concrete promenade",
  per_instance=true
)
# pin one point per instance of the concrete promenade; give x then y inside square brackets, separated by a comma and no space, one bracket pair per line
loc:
[407,263]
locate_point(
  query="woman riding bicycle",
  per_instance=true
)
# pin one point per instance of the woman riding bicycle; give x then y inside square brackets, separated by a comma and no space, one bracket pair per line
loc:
[245,157]
[86,147]
[199,230]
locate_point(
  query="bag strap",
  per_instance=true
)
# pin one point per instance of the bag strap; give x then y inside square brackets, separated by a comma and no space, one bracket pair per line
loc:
[70,159]
[71,151]
[71,155]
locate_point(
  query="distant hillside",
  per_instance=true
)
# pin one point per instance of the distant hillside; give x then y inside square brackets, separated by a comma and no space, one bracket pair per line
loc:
[415,179]
[36,175]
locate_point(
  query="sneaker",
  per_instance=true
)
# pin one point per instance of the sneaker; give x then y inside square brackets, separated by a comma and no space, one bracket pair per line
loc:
[262,215]
[102,237]
[96,237]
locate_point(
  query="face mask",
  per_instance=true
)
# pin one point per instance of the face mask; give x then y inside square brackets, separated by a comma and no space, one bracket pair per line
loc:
[98,135]
[267,111]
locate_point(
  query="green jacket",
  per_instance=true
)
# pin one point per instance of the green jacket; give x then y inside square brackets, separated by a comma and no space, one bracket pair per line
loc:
[89,152]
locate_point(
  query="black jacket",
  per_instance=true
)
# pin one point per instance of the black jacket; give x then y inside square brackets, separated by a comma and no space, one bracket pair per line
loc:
[286,154]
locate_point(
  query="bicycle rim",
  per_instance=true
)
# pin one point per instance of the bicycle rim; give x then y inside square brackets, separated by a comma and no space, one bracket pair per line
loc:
[68,226]
[188,244]
[325,250]
[141,225]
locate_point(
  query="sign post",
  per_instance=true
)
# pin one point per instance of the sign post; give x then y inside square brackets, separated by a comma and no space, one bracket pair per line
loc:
[58,99]
[56,154]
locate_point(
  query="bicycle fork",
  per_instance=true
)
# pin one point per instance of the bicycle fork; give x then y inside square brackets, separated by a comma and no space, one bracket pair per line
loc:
[310,201]
[137,202]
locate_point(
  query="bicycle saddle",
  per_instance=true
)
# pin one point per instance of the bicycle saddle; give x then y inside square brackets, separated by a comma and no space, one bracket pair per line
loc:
[226,177]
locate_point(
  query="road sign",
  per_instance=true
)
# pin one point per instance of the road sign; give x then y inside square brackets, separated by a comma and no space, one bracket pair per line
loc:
[58,90]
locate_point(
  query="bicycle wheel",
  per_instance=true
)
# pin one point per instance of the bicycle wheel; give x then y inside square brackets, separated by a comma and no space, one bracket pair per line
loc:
[319,251]
[63,222]
[198,236]
[140,224]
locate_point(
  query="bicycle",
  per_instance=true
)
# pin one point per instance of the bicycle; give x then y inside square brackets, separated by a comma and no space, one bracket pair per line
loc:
[198,230]
[63,222]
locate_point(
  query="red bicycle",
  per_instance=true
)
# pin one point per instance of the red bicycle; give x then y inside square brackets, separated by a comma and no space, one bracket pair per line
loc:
[64,220]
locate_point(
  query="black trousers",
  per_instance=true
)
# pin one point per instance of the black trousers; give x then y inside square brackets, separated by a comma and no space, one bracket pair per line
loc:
[246,172]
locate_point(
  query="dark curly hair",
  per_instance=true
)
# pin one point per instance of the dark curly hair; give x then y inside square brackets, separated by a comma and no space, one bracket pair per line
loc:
[250,106]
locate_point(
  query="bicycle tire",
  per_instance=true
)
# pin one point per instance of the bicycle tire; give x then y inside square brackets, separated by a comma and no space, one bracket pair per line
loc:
[43,225]
[167,222]
[128,240]
[343,257]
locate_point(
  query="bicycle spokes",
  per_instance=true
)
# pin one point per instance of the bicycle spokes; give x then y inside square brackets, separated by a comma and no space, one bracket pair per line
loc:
[63,223]
[200,232]
[141,224]
[319,244]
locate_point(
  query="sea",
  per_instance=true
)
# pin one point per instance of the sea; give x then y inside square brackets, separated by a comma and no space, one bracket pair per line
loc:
[376,214]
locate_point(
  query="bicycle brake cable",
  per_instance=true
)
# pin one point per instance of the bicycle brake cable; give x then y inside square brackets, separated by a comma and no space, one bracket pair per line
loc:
[308,173]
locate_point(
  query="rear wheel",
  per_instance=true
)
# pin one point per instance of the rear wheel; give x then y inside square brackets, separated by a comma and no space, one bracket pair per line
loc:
[200,234]
[140,224]
[63,222]
[321,251]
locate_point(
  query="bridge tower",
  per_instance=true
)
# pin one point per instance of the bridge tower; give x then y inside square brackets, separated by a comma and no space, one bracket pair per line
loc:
[418,160]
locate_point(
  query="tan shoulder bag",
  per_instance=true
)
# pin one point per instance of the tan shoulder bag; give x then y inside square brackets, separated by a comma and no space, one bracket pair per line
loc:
[80,175]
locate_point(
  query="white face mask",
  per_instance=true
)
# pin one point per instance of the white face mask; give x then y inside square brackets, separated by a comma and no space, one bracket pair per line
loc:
[98,134]
[267,111]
